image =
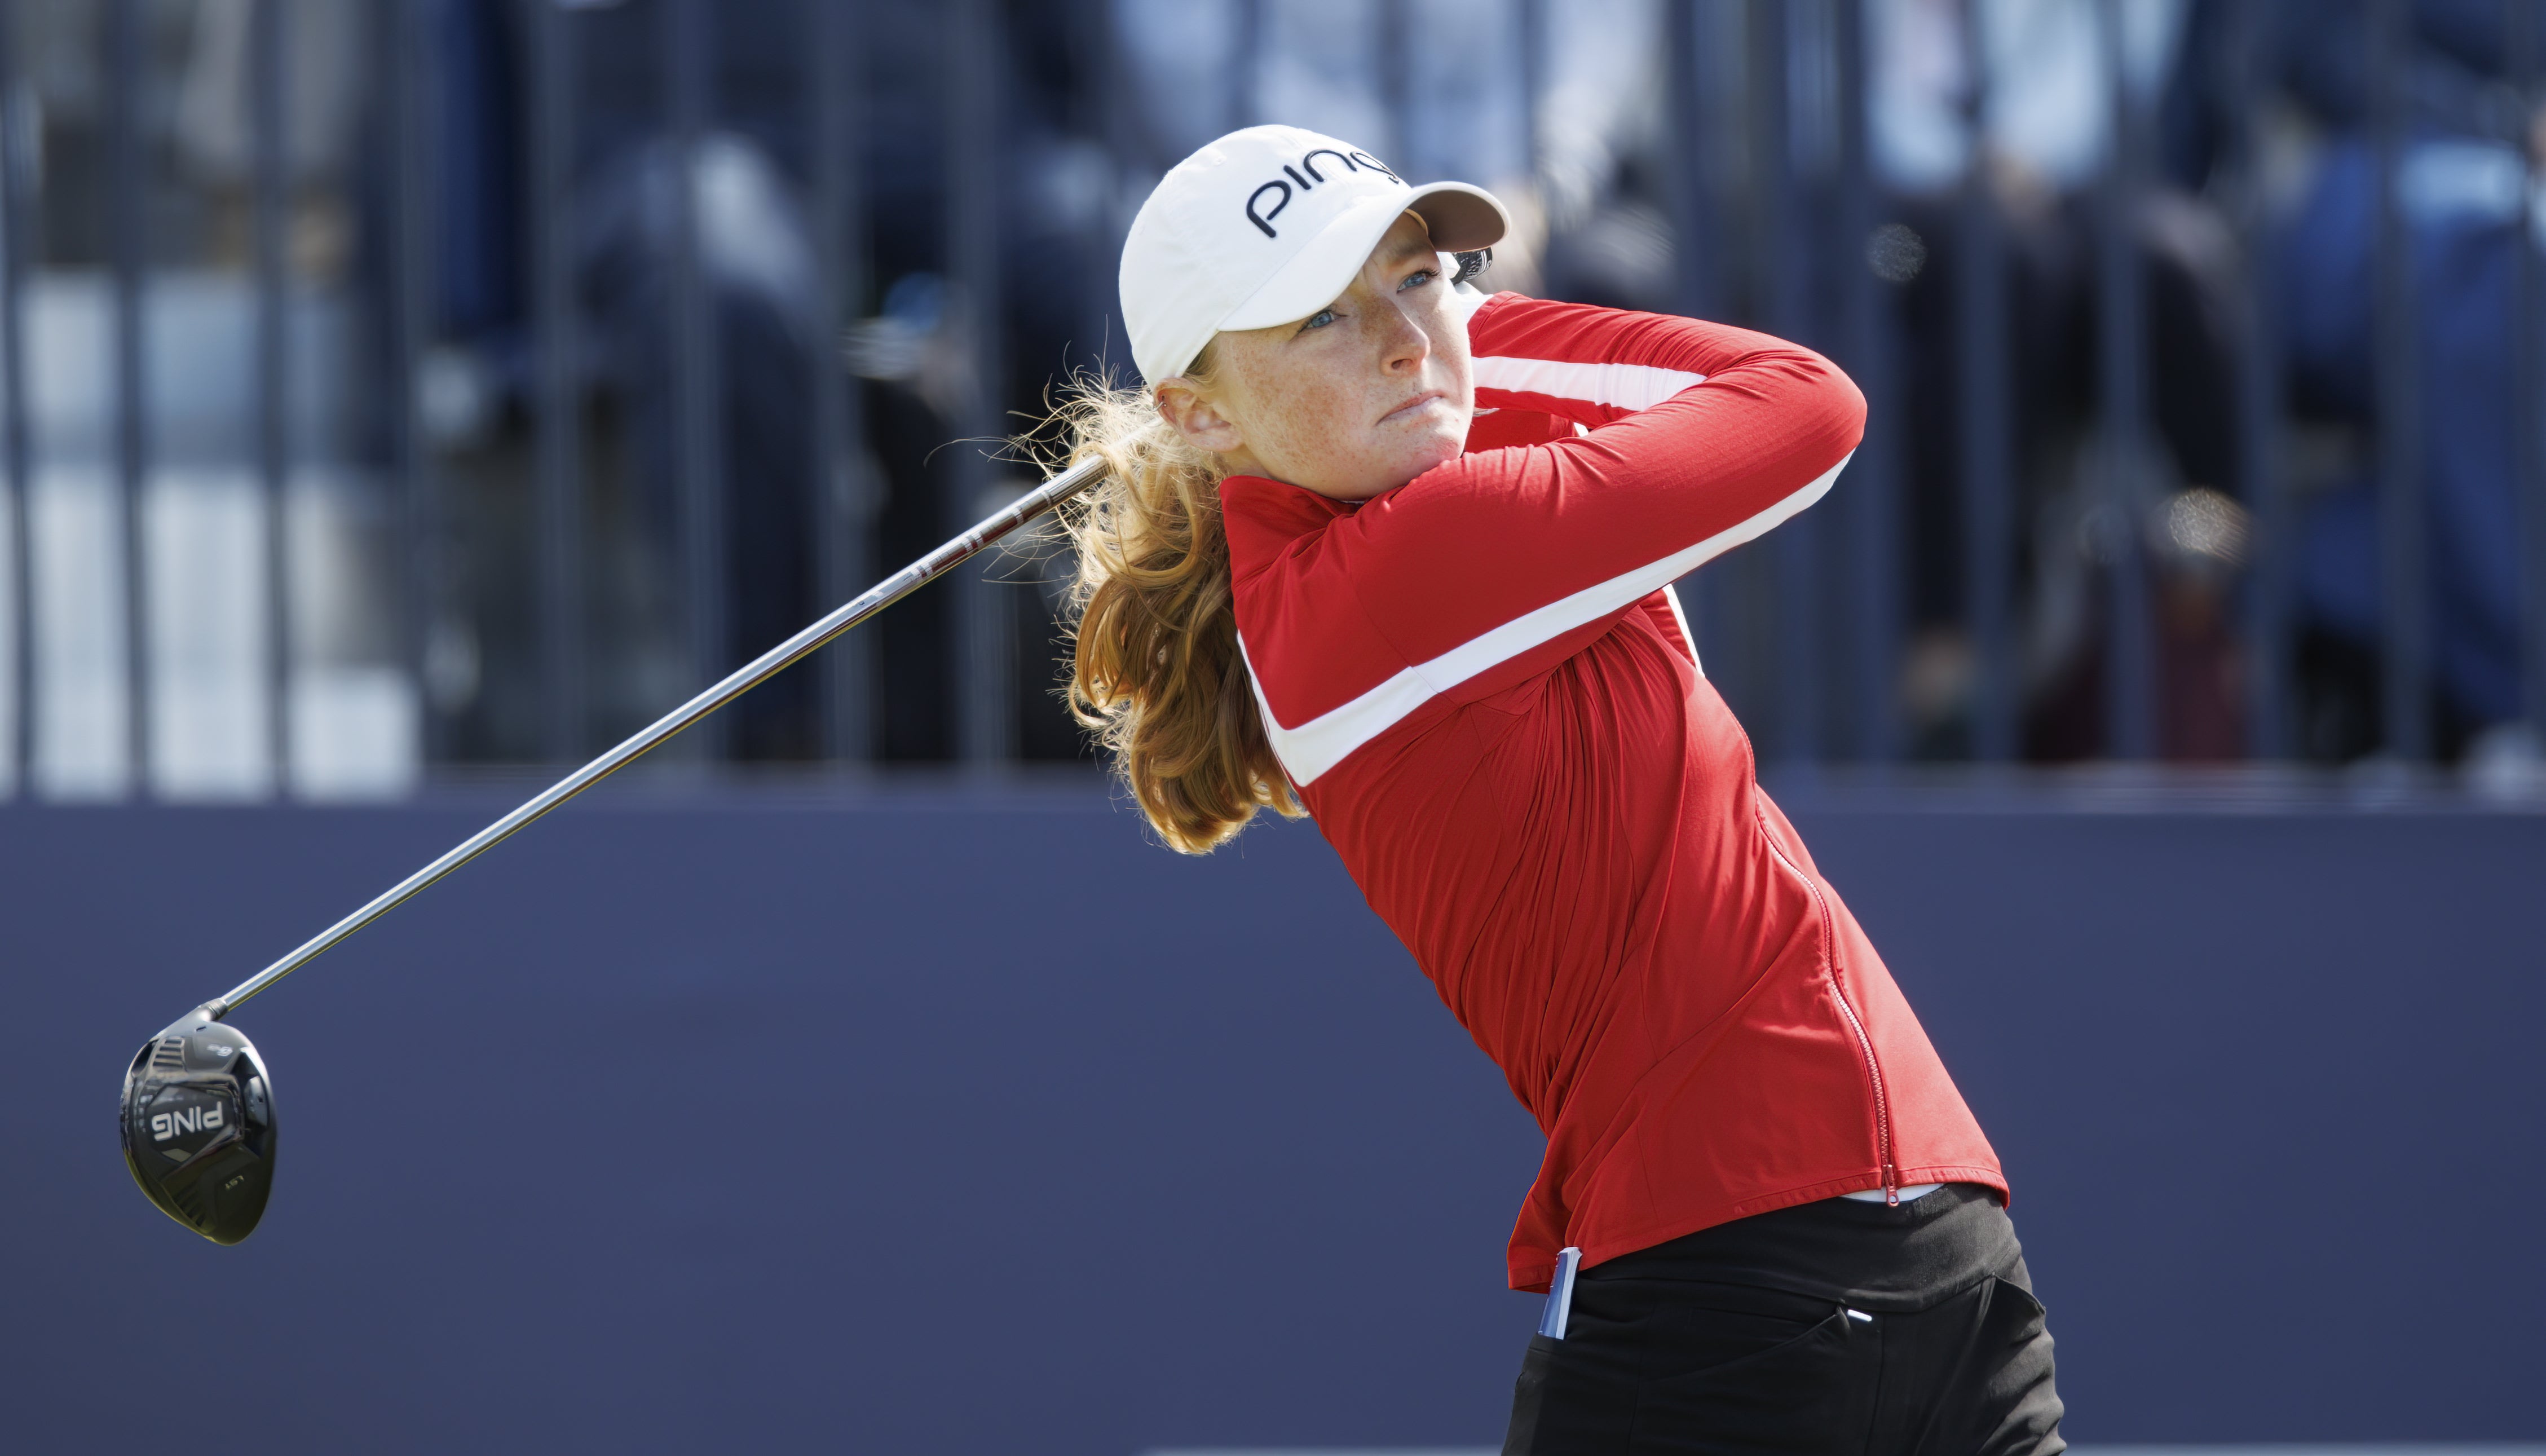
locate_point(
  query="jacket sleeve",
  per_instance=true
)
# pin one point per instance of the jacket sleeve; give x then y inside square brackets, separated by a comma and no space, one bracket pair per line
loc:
[1497,565]
[1702,437]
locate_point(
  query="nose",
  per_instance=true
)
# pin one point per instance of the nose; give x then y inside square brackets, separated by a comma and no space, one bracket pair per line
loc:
[1403,345]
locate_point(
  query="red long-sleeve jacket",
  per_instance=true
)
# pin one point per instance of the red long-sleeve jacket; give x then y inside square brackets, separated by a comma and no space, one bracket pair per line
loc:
[1489,701]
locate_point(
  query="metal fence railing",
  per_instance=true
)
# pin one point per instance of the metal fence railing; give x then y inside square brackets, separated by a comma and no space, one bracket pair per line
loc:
[399,386]
[1794,229]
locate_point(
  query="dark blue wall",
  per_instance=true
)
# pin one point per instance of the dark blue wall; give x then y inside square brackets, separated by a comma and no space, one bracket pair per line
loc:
[937,1123]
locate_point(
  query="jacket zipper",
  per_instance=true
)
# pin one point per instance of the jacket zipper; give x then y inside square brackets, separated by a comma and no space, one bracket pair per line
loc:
[1864,1043]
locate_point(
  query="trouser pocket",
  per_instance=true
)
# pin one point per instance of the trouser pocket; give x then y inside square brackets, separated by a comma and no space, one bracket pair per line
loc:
[1529,1396]
[1998,1398]
[1813,1394]
[1575,1398]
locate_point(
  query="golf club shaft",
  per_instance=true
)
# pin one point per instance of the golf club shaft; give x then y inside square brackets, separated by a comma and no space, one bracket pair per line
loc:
[903,584]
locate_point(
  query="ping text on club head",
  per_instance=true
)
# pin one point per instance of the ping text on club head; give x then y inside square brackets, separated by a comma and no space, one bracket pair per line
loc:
[166,1125]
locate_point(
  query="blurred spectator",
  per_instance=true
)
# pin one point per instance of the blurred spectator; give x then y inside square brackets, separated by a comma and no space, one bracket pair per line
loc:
[748,181]
[2044,120]
[2048,112]
[215,124]
[1462,109]
[2464,190]
[1095,98]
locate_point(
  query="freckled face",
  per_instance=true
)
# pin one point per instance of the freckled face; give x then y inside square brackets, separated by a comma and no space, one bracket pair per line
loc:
[1359,397]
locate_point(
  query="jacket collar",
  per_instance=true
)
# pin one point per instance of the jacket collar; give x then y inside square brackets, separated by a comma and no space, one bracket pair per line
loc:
[1265,517]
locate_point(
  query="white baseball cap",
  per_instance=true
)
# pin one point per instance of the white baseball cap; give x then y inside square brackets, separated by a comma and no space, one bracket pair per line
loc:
[1270,225]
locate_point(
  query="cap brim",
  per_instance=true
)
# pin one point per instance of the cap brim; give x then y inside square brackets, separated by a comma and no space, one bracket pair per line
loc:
[1462,219]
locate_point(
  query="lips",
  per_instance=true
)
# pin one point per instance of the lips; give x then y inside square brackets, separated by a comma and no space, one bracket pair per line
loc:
[1414,404]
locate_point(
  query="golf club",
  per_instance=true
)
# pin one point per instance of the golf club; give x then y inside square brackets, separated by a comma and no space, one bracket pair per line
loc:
[198,1111]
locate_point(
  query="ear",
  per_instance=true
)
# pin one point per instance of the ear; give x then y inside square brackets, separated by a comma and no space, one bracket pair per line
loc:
[1197,418]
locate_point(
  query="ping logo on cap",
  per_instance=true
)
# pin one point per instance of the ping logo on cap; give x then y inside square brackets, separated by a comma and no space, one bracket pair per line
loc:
[1353,162]
[1266,226]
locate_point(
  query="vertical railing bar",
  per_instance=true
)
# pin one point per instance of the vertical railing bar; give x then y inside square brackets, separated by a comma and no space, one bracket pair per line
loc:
[1109,121]
[267,85]
[1530,21]
[985,673]
[558,389]
[1537,36]
[1785,307]
[2527,376]
[842,492]
[2121,333]
[1396,85]
[1693,276]
[128,236]
[1684,173]
[698,446]
[2404,690]
[16,237]
[1871,480]
[1247,67]
[1129,146]
[402,54]
[2258,407]
[1986,448]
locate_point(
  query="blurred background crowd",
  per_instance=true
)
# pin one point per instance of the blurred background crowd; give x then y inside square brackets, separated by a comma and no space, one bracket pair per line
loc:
[410,385]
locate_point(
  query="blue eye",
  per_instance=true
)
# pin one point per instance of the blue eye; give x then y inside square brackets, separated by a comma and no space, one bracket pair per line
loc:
[1319,320]
[1418,278]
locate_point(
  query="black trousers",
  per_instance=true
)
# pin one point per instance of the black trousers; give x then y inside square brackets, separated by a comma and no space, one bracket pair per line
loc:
[1833,1327]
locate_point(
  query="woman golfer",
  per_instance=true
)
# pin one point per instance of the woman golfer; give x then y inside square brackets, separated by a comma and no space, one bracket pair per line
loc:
[1380,549]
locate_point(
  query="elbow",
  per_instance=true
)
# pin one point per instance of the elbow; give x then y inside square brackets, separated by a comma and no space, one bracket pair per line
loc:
[1820,413]
[1854,413]
[1828,418]
[1841,407]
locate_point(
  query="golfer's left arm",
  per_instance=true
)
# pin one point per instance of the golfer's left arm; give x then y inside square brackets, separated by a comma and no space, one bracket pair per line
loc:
[1697,438]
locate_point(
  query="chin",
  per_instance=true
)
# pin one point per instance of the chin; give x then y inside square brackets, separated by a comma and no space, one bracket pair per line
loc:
[1390,463]
[1445,446]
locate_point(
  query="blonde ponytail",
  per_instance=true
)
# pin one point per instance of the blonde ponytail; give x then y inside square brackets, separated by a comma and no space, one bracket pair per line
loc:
[1156,669]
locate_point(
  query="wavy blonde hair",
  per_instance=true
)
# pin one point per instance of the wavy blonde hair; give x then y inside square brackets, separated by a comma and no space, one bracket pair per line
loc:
[1156,672]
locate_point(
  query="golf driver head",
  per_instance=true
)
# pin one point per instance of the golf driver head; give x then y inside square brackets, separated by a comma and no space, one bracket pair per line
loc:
[199,1127]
